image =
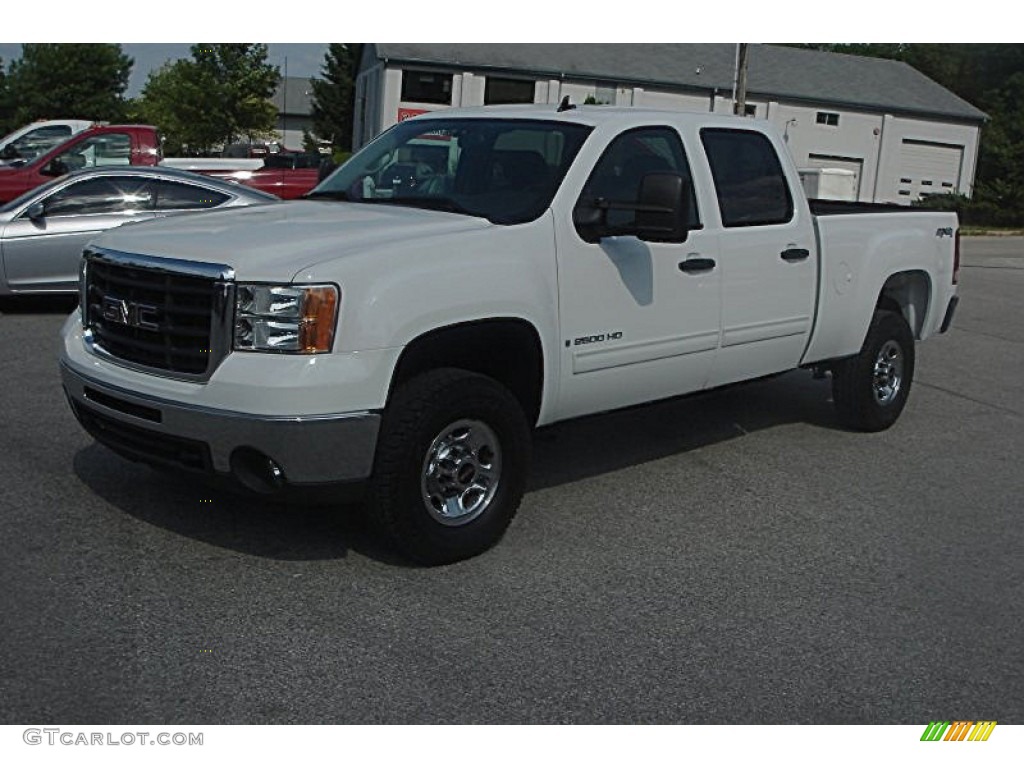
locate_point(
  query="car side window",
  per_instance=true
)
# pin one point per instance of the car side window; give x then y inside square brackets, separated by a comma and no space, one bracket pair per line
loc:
[99,195]
[621,169]
[749,181]
[41,140]
[97,152]
[174,196]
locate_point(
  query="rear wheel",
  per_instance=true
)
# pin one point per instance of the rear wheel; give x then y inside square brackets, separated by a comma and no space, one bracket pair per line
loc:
[451,465]
[871,389]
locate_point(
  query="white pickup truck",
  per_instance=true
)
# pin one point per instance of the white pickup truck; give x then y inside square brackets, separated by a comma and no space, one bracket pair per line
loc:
[471,274]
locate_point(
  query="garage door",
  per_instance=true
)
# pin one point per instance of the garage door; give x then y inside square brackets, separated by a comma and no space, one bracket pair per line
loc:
[854,164]
[929,168]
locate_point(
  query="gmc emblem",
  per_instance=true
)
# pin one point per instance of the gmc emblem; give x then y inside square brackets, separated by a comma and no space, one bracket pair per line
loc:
[130,313]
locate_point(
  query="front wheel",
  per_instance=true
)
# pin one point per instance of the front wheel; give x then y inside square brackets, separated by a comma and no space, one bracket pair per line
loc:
[871,388]
[451,465]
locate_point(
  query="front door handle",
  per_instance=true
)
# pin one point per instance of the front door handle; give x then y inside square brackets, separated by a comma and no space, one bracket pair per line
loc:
[795,254]
[699,264]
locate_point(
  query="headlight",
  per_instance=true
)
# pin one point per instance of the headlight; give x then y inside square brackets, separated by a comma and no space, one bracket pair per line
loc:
[285,318]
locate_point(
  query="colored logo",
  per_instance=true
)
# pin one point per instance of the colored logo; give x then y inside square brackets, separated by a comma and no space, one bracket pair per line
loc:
[958,730]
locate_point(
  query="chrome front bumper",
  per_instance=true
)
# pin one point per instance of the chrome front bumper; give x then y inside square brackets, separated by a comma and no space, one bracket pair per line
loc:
[309,450]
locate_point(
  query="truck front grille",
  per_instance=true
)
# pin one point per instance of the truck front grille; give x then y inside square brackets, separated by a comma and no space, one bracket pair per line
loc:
[161,315]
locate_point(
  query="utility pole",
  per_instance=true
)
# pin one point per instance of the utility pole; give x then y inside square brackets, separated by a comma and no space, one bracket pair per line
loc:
[739,92]
[284,106]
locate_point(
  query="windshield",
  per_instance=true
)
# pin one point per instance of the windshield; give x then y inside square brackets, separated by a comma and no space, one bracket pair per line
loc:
[506,171]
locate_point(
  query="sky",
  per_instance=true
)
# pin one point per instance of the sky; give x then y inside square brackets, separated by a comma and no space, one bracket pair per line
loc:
[304,59]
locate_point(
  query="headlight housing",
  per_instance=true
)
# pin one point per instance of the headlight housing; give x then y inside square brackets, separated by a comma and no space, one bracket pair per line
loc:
[296,319]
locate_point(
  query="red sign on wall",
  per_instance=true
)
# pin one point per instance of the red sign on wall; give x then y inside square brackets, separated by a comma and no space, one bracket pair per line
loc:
[404,113]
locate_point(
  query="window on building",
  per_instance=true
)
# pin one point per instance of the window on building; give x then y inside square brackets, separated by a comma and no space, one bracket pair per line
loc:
[828,118]
[426,87]
[500,90]
[749,181]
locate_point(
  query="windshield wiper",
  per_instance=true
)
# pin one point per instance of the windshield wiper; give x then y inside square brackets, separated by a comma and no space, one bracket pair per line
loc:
[332,194]
[432,203]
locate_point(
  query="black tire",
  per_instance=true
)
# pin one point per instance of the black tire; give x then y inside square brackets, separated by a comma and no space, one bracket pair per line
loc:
[429,508]
[871,388]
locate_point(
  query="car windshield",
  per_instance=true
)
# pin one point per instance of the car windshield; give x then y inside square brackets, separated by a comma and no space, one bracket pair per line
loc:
[506,171]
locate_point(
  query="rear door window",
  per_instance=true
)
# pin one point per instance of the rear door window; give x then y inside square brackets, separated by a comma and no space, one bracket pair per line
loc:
[174,196]
[749,181]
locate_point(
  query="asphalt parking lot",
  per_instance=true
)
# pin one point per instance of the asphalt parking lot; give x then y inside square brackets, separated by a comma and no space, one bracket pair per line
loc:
[728,558]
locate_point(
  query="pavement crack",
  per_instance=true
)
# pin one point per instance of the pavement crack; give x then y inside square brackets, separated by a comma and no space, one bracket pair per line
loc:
[962,396]
[992,266]
[960,328]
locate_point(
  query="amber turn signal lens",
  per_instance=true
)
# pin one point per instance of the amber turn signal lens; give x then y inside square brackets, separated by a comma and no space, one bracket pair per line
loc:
[319,313]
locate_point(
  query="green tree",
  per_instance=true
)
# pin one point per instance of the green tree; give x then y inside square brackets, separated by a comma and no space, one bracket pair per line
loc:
[6,104]
[334,94]
[218,96]
[74,80]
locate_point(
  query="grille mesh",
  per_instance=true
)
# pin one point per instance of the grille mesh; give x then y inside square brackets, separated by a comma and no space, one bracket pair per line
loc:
[179,306]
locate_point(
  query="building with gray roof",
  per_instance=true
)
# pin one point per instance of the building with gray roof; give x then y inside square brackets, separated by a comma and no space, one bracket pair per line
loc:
[900,134]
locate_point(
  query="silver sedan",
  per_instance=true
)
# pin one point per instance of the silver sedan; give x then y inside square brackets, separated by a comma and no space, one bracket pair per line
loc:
[43,232]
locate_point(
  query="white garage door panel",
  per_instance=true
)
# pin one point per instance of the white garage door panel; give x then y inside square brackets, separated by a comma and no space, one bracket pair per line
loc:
[927,168]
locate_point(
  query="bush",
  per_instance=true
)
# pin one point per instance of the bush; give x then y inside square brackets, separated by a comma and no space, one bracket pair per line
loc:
[986,209]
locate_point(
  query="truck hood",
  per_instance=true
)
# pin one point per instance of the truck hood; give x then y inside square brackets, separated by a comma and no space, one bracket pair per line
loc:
[274,242]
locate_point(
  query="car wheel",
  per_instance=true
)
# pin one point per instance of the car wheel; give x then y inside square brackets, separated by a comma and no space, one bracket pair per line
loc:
[451,466]
[871,388]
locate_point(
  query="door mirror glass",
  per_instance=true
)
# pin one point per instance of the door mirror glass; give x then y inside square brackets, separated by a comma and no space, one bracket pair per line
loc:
[661,213]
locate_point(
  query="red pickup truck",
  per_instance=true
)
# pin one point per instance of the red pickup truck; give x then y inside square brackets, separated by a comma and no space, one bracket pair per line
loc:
[108,145]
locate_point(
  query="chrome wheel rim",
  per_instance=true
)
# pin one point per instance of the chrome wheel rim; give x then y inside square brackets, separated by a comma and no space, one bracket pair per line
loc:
[461,472]
[888,378]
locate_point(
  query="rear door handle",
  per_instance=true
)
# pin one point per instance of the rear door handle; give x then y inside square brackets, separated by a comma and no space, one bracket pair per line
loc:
[795,254]
[699,264]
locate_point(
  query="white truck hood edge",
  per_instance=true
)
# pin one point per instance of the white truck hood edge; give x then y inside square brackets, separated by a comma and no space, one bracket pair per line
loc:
[274,242]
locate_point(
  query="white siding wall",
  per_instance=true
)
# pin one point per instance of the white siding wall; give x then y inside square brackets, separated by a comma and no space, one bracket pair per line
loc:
[857,137]
[684,102]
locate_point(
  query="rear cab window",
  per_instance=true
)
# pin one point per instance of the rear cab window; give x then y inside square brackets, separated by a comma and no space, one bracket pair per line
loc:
[750,184]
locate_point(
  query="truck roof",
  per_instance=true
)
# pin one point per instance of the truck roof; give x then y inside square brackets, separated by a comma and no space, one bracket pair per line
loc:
[592,115]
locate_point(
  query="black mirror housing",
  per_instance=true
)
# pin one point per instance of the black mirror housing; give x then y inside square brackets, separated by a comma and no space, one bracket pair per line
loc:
[55,167]
[36,211]
[661,214]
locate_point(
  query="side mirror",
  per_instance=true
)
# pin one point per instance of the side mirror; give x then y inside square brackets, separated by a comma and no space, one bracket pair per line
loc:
[661,213]
[9,152]
[55,167]
[36,211]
